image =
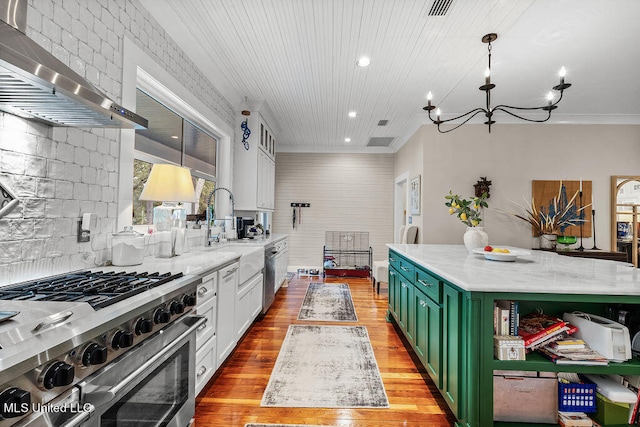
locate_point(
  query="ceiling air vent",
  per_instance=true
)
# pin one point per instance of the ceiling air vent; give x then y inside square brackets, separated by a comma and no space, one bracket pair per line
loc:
[383,122]
[440,7]
[382,141]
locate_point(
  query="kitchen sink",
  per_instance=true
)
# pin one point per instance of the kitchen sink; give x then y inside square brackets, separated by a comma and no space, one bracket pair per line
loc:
[251,258]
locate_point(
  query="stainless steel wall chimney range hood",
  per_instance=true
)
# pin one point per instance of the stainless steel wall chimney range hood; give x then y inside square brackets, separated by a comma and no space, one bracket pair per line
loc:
[36,85]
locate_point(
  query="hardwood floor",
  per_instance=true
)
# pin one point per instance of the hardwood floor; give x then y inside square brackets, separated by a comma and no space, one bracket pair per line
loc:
[234,394]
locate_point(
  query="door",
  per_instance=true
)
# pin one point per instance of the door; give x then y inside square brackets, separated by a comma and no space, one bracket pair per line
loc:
[406,296]
[427,333]
[451,349]
[394,293]
[227,290]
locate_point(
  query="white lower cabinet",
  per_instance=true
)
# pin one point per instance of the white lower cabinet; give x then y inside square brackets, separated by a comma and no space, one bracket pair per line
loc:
[205,364]
[248,304]
[206,340]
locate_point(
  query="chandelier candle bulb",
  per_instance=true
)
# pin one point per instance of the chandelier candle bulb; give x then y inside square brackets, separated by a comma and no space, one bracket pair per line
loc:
[487,76]
[562,73]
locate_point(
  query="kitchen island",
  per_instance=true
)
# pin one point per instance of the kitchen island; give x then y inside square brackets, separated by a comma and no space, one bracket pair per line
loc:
[442,299]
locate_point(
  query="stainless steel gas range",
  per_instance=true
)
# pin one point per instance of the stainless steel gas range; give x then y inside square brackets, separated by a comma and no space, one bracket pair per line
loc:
[98,348]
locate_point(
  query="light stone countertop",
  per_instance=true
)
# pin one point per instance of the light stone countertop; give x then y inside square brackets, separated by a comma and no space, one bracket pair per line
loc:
[199,260]
[539,272]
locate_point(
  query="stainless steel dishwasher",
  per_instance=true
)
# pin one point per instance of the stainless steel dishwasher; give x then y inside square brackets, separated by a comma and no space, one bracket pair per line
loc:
[268,294]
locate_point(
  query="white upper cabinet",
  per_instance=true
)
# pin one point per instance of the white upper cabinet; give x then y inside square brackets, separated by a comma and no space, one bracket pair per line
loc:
[254,168]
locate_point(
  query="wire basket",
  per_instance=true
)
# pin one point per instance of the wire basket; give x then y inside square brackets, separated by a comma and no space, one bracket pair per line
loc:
[574,397]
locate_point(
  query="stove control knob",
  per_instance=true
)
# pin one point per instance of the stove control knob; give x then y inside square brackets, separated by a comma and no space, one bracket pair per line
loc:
[57,374]
[176,307]
[189,300]
[121,339]
[143,326]
[162,315]
[94,354]
[14,402]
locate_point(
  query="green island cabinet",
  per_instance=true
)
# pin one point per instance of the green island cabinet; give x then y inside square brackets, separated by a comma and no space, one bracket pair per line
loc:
[441,297]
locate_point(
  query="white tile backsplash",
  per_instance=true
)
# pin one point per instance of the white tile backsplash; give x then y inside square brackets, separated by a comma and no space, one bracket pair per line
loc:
[60,172]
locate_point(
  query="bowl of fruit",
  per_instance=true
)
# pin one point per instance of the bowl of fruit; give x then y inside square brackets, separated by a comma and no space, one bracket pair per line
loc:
[501,253]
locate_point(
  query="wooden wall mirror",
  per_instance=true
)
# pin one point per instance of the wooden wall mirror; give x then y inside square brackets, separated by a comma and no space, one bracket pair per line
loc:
[625,208]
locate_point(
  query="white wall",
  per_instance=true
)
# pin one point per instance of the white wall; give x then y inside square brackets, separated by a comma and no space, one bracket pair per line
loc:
[347,192]
[60,173]
[511,157]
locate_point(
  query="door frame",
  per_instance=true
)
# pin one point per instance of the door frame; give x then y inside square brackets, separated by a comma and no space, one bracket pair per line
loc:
[400,202]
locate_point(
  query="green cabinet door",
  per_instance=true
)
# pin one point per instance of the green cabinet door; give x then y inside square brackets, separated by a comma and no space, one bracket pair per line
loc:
[451,348]
[394,293]
[427,335]
[405,313]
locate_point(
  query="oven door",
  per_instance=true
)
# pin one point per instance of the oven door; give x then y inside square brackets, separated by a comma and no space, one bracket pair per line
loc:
[150,385]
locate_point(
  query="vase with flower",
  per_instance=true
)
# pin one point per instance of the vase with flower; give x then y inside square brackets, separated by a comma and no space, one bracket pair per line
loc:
[469,212]
[548,223]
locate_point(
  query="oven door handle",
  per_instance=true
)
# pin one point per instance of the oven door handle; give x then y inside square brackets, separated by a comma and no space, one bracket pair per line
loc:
[101,395]
[87,410]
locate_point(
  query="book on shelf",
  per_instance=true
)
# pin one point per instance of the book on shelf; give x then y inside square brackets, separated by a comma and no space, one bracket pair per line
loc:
[506,316]
[574,419]
[560,334]
[566,344]
[535,326]
[577,356]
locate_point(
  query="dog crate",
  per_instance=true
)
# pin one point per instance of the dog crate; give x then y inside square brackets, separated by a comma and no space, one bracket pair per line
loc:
[347,254]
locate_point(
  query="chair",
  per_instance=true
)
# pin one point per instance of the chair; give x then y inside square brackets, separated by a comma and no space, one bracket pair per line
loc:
[380,271]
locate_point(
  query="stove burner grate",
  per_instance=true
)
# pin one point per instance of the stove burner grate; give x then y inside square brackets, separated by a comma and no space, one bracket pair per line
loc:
[99,289]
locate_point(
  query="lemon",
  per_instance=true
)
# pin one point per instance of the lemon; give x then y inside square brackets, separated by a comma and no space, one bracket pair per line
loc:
[463,216]
[474,222]
[476,207]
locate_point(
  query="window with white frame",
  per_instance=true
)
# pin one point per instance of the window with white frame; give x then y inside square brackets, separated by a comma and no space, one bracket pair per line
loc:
[170,138]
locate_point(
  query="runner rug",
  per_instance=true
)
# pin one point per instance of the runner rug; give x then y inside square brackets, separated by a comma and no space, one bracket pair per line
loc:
[282,425]
[323,366]
[328,302]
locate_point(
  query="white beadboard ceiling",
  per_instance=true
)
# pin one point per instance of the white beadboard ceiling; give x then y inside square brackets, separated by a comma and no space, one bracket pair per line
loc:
[299,56]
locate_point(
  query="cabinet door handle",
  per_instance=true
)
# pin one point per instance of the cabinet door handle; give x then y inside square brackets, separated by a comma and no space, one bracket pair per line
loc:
[404,269]
[230,272]
[391,273]
[404,285]
[203,326]
[201,371]
[392,259]
[422,282]
[202,291]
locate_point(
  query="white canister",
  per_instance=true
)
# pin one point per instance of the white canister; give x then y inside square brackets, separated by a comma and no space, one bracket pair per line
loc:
[127,247]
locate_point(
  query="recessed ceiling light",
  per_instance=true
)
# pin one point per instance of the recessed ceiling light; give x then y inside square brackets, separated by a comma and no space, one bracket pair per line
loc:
[352,114]
[347,140]
[363,62]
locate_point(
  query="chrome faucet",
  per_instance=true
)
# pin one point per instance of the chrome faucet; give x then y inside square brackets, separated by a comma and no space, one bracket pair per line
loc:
[208,216]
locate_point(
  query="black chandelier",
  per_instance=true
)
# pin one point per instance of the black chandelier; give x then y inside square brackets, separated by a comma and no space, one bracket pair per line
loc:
[488,111]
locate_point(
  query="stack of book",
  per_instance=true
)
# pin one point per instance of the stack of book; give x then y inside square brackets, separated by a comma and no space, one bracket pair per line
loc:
[538,330]
[572,352]
[574,419]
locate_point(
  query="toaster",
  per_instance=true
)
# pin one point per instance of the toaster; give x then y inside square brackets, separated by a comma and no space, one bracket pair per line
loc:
[609,338]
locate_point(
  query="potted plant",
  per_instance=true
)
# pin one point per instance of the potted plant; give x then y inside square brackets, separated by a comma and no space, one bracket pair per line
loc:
[469,212]
[548,224]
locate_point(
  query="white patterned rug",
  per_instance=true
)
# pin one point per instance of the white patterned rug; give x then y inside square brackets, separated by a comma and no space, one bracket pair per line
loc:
[328,302]
[323,366]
